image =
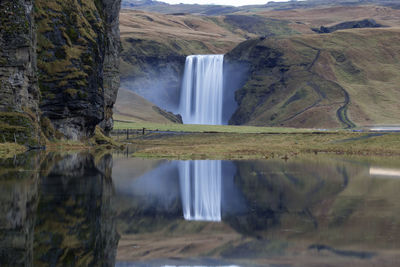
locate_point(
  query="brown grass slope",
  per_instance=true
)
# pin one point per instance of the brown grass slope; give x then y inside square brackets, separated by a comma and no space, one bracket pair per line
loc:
[342,79]
[132,107]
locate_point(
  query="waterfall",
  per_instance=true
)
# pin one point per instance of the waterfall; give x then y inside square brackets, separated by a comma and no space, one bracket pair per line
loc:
[200,183]
[202,90]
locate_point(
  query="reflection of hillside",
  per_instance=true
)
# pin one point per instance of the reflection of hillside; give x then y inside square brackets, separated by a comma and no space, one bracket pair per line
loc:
[280,192]
[316,205]
[75,221]
[18,202]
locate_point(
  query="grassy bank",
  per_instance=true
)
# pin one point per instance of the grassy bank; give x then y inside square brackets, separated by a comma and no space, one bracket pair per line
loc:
[195,128]
[266,145]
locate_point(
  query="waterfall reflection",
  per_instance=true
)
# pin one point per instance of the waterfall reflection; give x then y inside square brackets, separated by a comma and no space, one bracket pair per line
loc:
[200,183]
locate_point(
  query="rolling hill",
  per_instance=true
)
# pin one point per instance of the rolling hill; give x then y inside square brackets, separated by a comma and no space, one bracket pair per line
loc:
[342,79]
[296,77]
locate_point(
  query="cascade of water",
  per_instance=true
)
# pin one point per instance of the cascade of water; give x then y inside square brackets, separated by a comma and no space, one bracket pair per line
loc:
[202,90]
[201,190]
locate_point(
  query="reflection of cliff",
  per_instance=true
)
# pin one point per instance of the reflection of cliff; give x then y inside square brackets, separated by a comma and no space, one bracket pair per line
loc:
[75,224]
[18,202]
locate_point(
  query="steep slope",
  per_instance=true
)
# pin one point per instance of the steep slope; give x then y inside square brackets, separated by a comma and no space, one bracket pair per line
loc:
[342,79]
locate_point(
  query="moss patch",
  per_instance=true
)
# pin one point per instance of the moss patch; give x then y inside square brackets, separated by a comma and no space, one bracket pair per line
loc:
[18,127]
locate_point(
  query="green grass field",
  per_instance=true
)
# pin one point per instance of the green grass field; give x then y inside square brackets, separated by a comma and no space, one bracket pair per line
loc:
[194,128]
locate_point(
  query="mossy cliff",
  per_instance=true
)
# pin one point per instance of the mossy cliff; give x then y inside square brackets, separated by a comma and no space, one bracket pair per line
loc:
[78,49]
[59,65]
[19,95]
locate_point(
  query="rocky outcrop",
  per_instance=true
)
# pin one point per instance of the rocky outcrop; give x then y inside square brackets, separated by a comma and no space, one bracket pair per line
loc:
[366,23]
[19,95]
[78,48]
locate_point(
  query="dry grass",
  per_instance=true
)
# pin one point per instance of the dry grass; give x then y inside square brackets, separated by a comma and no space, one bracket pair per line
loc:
[132,107]
[256,146]
[327,16]
[198,128]
[170,30]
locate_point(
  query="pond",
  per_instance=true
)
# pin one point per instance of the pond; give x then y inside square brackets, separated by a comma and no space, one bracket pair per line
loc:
[82,209]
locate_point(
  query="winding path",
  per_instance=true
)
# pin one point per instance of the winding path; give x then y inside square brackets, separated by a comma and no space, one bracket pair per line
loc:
[341,113]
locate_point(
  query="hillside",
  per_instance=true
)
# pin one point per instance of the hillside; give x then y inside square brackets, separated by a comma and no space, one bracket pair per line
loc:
[214,10]
[341,79]
[155,47]
[342,75]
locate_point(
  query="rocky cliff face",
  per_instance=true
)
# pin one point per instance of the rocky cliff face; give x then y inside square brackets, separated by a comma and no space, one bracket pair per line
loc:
[76,59]
[19,95]
[78,48]
[111,60]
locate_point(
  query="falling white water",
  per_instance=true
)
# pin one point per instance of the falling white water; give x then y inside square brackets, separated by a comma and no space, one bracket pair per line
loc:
[201,190]
[202,90]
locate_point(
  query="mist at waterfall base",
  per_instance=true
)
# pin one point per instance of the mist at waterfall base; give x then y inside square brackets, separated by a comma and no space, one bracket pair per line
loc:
[163,86]
[163,89]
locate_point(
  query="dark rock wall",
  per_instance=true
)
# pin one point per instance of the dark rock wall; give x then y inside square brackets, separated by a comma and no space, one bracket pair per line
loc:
[113,47]
[78,49]
[19,95]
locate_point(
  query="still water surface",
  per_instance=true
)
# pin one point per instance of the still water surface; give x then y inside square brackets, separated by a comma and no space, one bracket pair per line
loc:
[80,209]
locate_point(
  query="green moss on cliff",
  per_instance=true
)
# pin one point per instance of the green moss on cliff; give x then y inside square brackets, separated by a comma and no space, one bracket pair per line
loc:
[19,127]
[13,21]
[70,43]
